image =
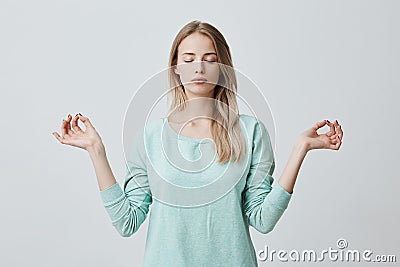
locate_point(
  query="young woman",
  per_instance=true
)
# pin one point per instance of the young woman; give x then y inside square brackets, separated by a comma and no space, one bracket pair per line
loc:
[194,220]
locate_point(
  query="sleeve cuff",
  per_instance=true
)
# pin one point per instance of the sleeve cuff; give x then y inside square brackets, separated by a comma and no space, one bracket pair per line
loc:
[279,197]
[111,194]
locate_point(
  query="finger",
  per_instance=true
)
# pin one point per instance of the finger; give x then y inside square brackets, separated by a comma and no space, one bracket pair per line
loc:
[340,132]
[334,147]
[69,130]
[338,144]
[63,128]
[75,125]
[334,140]
[335,144]
[334,137]
[319,124]
[336,123]
[59,138]
[332,129]
[338,129]
[85,121]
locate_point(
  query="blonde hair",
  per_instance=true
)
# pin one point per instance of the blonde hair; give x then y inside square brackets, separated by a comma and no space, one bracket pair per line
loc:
[229,144]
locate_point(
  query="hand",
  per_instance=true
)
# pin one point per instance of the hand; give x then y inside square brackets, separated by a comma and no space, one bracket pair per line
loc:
[76,136]
[330,140]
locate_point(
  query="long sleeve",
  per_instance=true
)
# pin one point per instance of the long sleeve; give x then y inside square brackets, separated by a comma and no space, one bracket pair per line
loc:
[263,204]
[128,208]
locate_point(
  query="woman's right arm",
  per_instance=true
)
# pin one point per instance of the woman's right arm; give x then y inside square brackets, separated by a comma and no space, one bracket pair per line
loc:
[105,177]
[90,141]
[127,208]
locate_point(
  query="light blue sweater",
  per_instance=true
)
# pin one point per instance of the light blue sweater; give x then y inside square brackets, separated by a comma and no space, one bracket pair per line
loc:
[200,209]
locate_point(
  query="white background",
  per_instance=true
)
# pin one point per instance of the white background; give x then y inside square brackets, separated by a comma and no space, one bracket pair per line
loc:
[313,60]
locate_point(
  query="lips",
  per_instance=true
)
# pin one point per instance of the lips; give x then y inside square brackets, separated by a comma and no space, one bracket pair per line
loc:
[199,79]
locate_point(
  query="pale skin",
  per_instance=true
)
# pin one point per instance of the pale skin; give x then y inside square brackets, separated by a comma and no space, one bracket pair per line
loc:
[200,48]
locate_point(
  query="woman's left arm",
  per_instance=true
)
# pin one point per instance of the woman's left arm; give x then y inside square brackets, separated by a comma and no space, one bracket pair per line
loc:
[307,141]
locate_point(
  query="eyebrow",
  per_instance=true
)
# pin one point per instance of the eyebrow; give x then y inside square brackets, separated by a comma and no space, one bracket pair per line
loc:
[190,53]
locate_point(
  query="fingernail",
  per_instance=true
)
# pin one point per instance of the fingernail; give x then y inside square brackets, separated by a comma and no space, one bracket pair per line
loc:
[80,114]
[328,121]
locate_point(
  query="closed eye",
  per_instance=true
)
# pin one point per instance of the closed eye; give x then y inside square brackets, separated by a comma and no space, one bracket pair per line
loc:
[187,61]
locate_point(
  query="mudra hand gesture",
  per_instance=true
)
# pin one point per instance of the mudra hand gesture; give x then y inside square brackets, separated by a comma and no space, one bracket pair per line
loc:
[330,140]
[75,136]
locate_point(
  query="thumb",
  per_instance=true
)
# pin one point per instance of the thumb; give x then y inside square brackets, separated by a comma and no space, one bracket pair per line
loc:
[319,124]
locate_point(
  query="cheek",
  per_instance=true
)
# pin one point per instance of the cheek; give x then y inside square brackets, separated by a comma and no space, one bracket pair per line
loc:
[212,73]
[185,72]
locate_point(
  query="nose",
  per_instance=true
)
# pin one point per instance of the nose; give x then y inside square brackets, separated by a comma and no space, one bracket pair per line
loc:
[199,66]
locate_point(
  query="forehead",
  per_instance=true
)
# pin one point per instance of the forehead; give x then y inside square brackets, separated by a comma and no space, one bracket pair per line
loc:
[196,43]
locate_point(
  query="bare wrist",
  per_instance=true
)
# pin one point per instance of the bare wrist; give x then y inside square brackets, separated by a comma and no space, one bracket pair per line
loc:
[302,146]
[96,149]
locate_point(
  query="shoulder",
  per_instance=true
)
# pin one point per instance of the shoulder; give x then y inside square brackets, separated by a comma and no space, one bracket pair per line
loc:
[248,119]
[251,122]
[253,127]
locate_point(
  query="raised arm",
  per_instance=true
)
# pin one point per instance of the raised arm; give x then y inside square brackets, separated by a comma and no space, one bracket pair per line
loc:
[90,141]
[127,208]
[263,204]
[307,141]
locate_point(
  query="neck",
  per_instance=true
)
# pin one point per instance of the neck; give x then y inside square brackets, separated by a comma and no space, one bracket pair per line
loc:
[195,108]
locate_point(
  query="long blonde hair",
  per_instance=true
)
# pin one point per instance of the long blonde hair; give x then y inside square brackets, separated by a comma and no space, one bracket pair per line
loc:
[229,144]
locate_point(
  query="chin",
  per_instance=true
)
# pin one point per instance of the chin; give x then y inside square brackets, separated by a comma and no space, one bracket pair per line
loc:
[200,89]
